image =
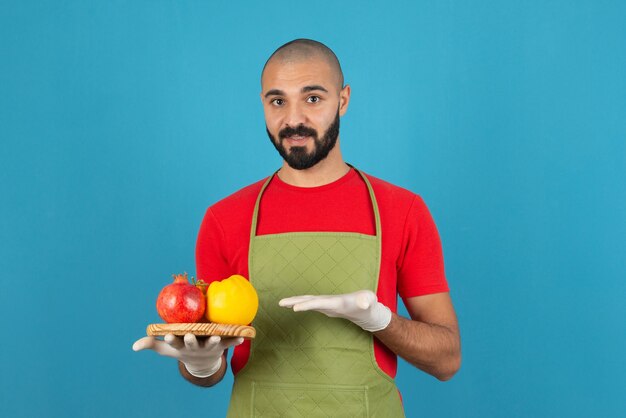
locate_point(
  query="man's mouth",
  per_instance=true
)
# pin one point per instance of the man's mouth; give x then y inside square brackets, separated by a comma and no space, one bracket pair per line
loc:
[296,139]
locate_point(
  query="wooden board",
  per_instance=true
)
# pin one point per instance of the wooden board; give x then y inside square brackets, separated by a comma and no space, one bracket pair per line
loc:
[202,328]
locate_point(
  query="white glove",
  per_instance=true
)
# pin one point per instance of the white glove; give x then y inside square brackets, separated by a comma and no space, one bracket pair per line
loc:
[361,307]
[200,359]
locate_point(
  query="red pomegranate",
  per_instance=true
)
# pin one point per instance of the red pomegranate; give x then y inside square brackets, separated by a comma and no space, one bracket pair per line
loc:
[181,301]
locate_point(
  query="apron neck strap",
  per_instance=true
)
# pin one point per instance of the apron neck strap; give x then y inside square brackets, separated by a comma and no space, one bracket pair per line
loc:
[257,204]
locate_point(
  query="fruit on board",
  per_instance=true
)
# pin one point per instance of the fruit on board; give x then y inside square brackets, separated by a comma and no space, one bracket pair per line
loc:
[181,301]
[232,301]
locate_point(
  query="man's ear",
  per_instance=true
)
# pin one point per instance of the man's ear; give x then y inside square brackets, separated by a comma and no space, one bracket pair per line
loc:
[344,99]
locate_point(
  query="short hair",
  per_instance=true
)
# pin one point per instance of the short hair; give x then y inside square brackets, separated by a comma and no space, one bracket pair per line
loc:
[300,49]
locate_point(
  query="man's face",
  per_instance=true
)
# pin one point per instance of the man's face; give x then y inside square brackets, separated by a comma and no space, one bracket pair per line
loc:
[302,102]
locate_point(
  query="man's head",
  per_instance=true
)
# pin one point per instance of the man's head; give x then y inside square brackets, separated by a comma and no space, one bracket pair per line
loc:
[303,95]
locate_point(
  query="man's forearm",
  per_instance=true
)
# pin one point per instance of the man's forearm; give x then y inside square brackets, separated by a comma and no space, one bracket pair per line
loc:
[209,381]
[433,348]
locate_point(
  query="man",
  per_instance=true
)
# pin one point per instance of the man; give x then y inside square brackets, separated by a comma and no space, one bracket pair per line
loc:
[328,249]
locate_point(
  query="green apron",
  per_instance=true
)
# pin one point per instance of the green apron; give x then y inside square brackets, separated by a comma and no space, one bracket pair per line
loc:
[305,364]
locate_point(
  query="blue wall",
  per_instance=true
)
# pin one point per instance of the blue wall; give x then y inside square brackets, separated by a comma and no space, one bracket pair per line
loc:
[120,122]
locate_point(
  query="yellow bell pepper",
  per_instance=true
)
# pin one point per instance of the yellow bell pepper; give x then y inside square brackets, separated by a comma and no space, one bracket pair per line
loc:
[232,301]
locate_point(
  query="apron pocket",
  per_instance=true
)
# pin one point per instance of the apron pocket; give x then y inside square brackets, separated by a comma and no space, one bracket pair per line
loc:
[310,401]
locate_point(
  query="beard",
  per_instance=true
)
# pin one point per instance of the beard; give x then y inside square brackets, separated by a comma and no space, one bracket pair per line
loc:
[297,157]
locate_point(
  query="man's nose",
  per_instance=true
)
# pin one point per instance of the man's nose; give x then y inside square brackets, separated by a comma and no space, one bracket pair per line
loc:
[295,116]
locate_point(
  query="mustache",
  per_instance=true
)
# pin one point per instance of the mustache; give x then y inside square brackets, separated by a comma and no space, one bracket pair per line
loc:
[300,130]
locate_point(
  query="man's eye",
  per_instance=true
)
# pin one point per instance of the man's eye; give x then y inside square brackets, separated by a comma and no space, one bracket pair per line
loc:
[313,99]
[278,102]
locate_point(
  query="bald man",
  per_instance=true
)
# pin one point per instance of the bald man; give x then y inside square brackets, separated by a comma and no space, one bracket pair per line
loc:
[328,248]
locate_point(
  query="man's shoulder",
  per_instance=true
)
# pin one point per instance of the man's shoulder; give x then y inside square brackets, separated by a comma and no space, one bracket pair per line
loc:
[241,200]
[389,191]
[398,204]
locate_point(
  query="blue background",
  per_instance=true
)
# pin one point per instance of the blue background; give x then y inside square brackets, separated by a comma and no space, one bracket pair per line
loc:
[121,122]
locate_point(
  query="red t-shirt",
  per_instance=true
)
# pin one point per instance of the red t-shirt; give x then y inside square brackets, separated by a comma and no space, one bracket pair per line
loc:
[412,260]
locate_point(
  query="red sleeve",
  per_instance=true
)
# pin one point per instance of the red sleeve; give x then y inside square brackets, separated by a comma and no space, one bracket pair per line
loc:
[420,265]
[211,263]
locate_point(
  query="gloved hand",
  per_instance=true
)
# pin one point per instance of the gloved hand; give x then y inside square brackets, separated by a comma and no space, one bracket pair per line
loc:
[361,307]
[201,359]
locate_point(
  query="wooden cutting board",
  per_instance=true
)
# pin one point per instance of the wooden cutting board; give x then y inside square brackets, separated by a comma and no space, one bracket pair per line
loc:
[202,328]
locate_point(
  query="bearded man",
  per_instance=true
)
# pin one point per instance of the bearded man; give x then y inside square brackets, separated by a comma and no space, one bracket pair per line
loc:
[328,248]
